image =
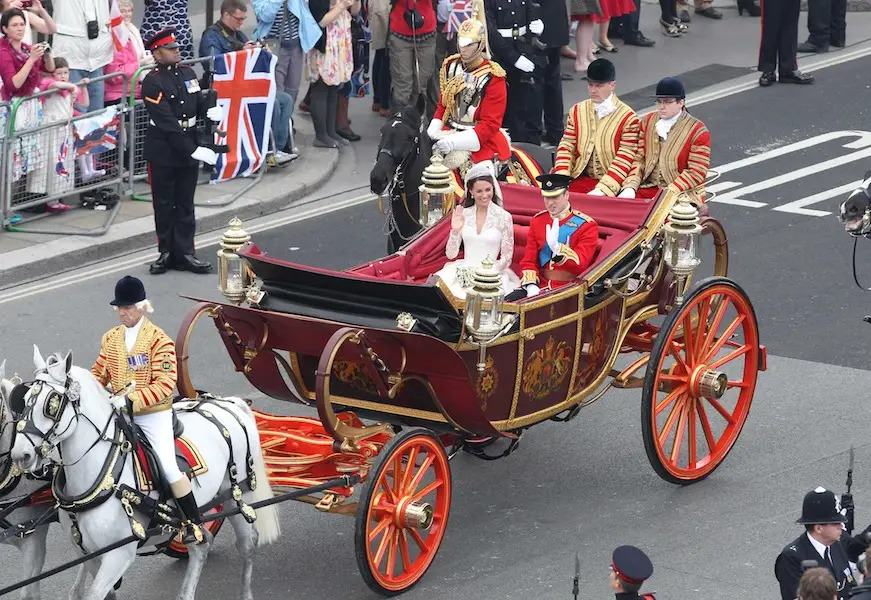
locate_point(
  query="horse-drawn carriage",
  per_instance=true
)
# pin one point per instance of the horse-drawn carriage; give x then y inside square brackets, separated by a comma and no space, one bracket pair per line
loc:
[403,375]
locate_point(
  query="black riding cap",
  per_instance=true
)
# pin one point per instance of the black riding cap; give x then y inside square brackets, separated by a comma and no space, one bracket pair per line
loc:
[601,70]
[820,507]
[670,87]
[128,291]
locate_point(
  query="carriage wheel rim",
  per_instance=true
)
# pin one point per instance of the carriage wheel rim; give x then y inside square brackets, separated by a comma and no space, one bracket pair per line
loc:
[689,392]
[406,513]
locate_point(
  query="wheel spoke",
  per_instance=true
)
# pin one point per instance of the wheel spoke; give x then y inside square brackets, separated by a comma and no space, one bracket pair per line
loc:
[425,465]
[674,350]
[403,551]
[706,426]
[715,323]
[421,543]
[691,434]
[688,340]
[729,357]
[409,469]
[386,487]
[712,352]
[681,427]
[720,409]
[382,546]
[391,551]
[668,399]
[428,489]
[671,377]
[740,384]
[397,474]
[704,311]
[383,524]
[669,423]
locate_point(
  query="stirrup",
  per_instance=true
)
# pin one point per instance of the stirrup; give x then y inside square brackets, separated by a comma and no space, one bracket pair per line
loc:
[191,533]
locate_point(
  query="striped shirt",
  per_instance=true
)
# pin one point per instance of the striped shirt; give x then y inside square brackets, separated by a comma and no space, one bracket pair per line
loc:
[285,29]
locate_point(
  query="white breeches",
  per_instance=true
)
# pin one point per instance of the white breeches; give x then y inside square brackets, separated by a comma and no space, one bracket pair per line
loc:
[157,427]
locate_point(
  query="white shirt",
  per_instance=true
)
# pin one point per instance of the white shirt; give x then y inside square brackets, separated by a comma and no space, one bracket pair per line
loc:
[71,40]
[663,126]
[443,10]
[131,333]
[819,547]
[605,107]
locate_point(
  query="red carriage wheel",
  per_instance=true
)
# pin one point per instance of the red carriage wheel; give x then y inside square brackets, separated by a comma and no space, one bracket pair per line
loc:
[700,381]
[403,512]
[176,549]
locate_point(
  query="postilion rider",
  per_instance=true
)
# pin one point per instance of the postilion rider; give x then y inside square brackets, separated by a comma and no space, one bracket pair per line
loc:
[561,242]
[601,136]
[139,351]
[467,120]
[674,151]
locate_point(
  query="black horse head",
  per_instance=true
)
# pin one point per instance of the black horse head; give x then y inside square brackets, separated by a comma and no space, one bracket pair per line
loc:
[855,212]
[400,138]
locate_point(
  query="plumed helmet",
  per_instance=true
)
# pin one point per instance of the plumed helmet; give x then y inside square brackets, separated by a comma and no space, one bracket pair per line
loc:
[128,291]
[670,87]
[601,70]
[474,29]
[820,507]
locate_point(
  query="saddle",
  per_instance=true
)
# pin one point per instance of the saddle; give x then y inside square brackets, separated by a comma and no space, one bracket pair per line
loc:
[149,475]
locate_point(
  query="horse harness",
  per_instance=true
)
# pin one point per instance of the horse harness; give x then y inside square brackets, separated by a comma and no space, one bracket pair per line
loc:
[399,181]
[107,482]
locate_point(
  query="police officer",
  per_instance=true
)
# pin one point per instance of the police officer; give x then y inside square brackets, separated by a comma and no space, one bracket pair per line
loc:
[513,27]
[824,541]
[630,567]
[174,104]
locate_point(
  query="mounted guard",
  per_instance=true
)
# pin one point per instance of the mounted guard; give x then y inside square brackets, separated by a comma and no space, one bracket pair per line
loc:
[138,351]
[466,124]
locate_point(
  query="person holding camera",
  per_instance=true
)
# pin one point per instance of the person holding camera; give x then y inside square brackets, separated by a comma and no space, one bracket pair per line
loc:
[36,18]
[174,103]
[824,541]
[513,27]
[411,46]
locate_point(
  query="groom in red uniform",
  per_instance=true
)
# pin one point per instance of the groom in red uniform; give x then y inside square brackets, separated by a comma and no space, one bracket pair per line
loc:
[561,242]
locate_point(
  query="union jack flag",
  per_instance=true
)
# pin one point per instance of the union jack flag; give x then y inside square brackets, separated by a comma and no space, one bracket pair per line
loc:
[62,153]
[245,82]
[97,134]
[462,10]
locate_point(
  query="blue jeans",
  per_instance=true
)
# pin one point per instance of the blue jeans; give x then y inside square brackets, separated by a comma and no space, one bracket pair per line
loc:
[281,119]
[96,90]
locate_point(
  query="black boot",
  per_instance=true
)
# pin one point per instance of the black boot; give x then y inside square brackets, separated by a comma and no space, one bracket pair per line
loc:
[192,528]
[162,263]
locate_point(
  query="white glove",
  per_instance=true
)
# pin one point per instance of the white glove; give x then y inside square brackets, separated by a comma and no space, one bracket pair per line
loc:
[532,290]
[118,402]
[445,145]
[596,192]
[551,235]
[524,64]
[216,114]
[203,154]
[435,131]
[536,27]
[626,193]
[460,140]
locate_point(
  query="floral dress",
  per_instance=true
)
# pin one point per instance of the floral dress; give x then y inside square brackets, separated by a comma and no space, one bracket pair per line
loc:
[336,65]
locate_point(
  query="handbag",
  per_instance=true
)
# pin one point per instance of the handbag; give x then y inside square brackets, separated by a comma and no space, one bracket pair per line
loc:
[585,7]
[273,44]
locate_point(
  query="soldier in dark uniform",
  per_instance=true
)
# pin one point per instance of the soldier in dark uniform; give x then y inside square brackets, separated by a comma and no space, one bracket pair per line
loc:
[779,42]
[513,27]
[825,542]
[174,104]
[630,568]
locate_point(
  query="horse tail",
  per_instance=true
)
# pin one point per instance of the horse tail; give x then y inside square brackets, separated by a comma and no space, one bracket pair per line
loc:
[267,523]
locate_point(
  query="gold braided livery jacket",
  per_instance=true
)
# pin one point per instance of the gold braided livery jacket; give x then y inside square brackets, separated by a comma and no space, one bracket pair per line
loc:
[150,363]
[612,141]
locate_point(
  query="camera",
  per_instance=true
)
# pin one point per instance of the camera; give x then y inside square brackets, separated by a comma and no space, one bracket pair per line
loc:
[413,17]
[25,4]
[93,29]
[808,564]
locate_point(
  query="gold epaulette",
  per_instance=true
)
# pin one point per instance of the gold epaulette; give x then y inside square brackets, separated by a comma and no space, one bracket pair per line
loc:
[588,218]
[539,213]
[496,69]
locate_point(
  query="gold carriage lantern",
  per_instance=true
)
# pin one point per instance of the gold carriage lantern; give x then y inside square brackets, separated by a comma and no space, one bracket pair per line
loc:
[682,242]
[484,316]
[436,191]
[233,275]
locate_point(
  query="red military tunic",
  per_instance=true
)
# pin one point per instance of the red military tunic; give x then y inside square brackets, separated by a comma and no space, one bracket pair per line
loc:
[489,81]
[680,162]
[573,258]
[598,153]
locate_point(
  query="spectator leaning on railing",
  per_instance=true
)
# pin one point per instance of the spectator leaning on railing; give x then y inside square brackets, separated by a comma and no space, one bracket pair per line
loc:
[84,39]
[226,36]
[127,60]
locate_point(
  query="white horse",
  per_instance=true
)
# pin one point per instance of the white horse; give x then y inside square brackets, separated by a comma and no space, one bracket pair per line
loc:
[15,488]
[67,408]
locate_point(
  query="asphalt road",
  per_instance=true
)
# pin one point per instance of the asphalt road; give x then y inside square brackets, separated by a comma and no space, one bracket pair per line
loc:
[585,486]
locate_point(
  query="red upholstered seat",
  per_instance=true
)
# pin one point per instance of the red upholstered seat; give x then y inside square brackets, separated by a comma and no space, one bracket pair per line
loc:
[618,219]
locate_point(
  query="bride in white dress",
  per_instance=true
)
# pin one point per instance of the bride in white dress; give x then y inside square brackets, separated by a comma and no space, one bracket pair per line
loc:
[484,228]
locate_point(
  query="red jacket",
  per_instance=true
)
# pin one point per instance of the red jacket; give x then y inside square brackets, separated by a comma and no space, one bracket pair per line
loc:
[575,254]
[424,7]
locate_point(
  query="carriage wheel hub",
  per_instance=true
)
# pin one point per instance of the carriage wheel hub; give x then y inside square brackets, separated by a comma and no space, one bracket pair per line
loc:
[708,383]
[414,514]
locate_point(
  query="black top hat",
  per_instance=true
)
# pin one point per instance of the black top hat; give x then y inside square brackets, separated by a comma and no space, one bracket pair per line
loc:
[553,184]
[128,291]
[670,87]
[631,564]
[820,507]
[165,38]
[601,70]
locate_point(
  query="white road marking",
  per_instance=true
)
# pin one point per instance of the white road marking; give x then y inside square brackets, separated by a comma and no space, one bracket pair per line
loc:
[863,141]
[797,206]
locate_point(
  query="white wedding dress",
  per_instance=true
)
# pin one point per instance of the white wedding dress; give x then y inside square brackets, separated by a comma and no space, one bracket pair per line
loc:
[496,240]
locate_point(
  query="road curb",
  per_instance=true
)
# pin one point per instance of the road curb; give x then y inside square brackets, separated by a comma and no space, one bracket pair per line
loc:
[852,5]
[72,252]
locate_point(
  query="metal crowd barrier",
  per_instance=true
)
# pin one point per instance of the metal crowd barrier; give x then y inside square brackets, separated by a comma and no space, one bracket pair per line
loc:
[4,132]
[37,171]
